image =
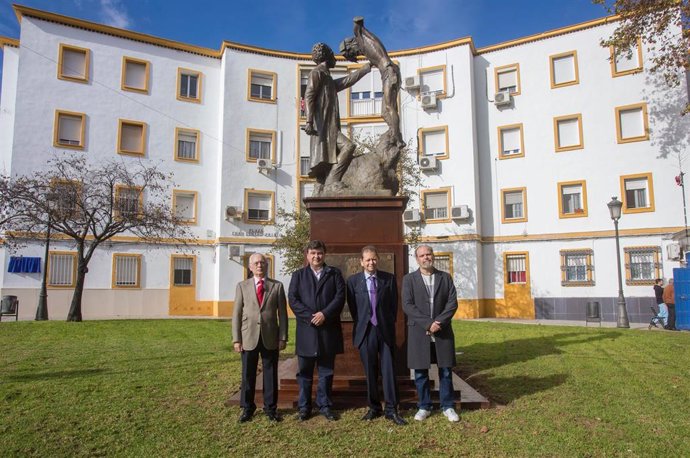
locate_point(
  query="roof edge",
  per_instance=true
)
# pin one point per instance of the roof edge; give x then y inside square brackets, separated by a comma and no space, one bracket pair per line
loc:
[7,41]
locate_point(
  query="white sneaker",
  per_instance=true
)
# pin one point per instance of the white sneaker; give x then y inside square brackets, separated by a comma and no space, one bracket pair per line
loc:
[422,415]
[451,415]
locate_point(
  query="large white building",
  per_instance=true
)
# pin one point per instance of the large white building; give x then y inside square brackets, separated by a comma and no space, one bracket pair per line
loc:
[522,144]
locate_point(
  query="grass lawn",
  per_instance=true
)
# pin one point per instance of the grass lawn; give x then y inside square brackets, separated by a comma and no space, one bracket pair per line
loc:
[157,388]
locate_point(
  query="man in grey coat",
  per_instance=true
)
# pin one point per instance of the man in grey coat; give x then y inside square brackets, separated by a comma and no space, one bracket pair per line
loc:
[430,301]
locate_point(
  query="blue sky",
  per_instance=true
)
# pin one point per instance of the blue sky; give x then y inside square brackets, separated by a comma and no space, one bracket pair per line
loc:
[297,24]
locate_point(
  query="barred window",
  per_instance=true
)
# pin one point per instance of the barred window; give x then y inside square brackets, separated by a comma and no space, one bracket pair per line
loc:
[516,268]
[642,265]
[183,269]
[577,267]
[444,262]
[61,269]
[436,206]
[127,201]
[127,271]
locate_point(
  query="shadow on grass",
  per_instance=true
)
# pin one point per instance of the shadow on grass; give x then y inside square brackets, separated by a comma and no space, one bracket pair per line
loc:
[54,375]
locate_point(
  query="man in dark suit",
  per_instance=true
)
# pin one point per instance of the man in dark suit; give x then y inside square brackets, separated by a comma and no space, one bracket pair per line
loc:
[430,301]
[259,327]
[317,296]
[372,296]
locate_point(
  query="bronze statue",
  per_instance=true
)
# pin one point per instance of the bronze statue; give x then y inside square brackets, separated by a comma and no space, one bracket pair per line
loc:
[331,152]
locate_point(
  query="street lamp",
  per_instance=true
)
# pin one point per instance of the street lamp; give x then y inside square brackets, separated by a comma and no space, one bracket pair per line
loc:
[615,207]
[42,309]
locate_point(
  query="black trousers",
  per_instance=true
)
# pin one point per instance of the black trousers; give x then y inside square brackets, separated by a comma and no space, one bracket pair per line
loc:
[671,316]
[269,362]
[325,365]
[375,354]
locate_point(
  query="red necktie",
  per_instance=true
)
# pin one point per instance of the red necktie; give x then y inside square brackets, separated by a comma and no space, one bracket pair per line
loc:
[260,292]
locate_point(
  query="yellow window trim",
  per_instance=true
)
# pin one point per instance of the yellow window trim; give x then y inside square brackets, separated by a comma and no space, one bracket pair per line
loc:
[505,220]
[505,69]
[657,264]
[584,212]
[118,189]
[426,130]
[188,71]
[557,139]
[505,266]
[553,57]
[142,142]
[271,264]
[113,284]
[365,118]
[176,192]
[449,254]
[619,137]
[589,266]
[274,86]
[271,194]
[500,129]
[615,73]
[172,270]
[147,72]
[87,62]
[298,191]
[445,190]
[248,134]
[56,130]
[74,269]
[422,70]
[650,193]
[196,132]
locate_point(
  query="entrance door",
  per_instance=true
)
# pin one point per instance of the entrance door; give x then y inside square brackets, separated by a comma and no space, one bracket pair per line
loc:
[516,290]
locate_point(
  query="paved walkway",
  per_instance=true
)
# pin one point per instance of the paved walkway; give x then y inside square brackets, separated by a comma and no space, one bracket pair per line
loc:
[604,324]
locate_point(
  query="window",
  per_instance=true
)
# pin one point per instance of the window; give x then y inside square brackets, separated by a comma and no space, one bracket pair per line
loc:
[436,205]
[510,142]
[69,130]
[366,95]
[62,269]
[131,137]
[366,132]
[183,270]
[514,205]
[135,75]
[631,123]
[65,197]
[269,267]
[563,69]
[184,205]
[73,63]
[577,267]
[128,201]
[572,199]
[624,64]
[189,85]
[260,144]
[304,153]
[567,132]
[515,268]
[306,189]
[444,261]
[187,145]
[638,193]
[432,79]
[262,86]
[126,271]
[433,141]
[259,205]
[642,265]
[507,78]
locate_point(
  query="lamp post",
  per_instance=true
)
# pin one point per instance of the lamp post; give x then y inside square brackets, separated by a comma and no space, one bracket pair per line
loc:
[615,207]
[42,309]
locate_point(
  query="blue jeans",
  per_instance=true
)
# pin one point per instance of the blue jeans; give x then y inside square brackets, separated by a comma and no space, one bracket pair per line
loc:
[305,377]
[445,377]
[663,314]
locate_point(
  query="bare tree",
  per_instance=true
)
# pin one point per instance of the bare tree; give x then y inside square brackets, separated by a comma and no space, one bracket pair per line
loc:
[91,203]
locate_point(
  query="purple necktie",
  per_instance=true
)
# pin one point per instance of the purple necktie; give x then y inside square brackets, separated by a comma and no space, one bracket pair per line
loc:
[372,299]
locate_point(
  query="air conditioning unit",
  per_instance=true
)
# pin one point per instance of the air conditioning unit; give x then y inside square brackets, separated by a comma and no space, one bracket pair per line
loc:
[412,82]
[235,251]
[232,213]
[673,251]
[429,100]
[412,216]
[263,164]
[502,98]
[428,163]
[460,212]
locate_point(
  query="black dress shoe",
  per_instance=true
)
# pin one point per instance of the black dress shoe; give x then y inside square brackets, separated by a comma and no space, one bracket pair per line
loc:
[303,415]
[395,418]
[371,414]
[273,416]
[246,415]
[328,415]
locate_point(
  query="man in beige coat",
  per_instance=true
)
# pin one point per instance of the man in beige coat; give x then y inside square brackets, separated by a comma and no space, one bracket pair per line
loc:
[259,327]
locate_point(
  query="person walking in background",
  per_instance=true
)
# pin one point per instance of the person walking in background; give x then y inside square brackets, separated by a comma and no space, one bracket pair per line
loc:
[659,295]
[670,301]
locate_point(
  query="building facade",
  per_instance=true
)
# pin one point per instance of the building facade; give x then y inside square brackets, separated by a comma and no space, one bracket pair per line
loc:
[521,145]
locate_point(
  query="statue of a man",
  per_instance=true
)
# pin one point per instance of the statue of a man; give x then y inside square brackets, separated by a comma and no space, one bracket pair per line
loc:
[331,152]
[366,43]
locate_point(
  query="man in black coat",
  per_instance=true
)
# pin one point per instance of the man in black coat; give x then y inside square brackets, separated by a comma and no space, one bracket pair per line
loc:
[316,297]
[372,296]
[430,301]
